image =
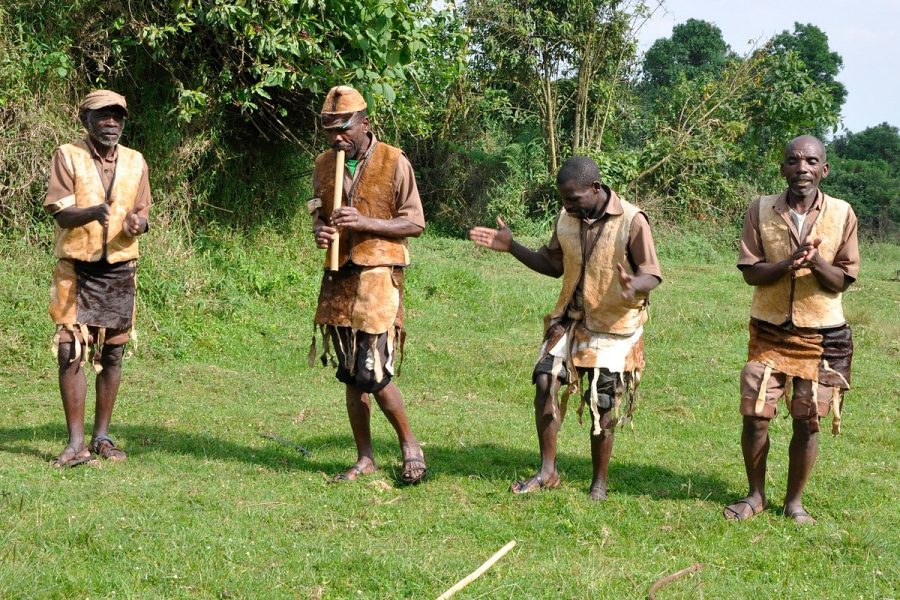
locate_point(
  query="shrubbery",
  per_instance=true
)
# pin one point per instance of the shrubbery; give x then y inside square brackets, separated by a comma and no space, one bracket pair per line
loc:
[485,100]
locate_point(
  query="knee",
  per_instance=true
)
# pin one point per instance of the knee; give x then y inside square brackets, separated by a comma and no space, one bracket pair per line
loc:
[111,356]
[805,428]
[756,425]
[66,358]
[543,383]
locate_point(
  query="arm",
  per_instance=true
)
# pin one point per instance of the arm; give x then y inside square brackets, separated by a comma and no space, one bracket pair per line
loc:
[69,218]
[636,285]
[501,240]
[137,222]
[642,259]
[348,217]
[60,199]
[806,256]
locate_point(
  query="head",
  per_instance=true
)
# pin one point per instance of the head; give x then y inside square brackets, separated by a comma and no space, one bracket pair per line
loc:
[579,186]
[103,113]
[345,120]
[804,166]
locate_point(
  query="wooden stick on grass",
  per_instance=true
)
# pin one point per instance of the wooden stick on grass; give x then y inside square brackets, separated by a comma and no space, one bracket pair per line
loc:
[338,198]
[477,572]
[670,578]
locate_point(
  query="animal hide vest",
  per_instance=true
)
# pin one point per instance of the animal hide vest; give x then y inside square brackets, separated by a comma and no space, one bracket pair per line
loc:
[87,242]
[605,311]
[372,194]
[797,296]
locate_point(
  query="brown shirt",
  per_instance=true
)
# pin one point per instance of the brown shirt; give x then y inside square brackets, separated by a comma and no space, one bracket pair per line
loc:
[751,248]
[62,182]
[406,192]
[641,250]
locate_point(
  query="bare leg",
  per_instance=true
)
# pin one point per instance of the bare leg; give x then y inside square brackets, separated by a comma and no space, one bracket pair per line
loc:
[390,400]
[73,389]
[359,412]
[547,423]
[107,388]
[802,453]
[755,446]
[601,451]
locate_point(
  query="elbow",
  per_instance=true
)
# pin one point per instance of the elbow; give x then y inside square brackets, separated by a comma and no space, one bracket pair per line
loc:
[845,285]
[416,232]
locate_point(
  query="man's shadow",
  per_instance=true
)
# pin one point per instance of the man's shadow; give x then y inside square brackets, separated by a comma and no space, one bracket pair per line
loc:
[492,462]
[504,465]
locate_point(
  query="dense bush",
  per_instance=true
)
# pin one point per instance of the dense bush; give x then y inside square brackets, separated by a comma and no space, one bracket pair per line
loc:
[486,100]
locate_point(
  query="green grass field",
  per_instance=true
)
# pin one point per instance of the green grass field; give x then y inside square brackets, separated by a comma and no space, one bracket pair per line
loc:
[206,507]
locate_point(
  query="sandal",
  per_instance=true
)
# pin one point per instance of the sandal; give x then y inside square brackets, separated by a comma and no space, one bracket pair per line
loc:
[104,447]
[801,517]
[411,466]
[732,513]
[76,460]
[534,484]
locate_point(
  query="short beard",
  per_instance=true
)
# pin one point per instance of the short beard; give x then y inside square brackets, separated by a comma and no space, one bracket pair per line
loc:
[105,142]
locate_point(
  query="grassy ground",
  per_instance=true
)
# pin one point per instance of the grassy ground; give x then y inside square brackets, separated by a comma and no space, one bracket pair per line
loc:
[207,507]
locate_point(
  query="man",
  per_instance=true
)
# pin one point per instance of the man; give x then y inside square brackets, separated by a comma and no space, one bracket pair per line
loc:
[99,196]
[360,309]
[799,251]
[603,248]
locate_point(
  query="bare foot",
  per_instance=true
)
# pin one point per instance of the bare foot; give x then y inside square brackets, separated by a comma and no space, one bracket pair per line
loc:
[538,482]
[744,509]
[71,457]
[364,466]
[598,492]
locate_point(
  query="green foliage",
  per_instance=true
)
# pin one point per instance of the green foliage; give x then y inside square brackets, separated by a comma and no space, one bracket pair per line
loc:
[881,142]
[273,60]
[865,170]
[822,64]
[695,50]
[713,143]
[486,98]
[461,187]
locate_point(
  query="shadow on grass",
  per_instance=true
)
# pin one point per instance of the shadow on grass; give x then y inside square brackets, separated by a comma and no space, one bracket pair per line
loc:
[489,462]
[505,465]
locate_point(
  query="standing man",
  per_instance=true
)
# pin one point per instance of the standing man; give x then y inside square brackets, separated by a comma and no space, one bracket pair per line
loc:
[799,251]
[603,249]
[99,196]
[360,309]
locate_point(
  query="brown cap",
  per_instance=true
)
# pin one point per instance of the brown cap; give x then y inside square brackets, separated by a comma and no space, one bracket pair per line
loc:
[101,99]
[343,99]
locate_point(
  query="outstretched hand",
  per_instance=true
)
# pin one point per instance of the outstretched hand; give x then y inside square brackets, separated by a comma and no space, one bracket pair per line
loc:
[495,239]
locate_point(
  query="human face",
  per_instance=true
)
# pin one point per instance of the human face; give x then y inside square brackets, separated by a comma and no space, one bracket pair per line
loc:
[351,136]
[105,125]
[804,167]
[579,199]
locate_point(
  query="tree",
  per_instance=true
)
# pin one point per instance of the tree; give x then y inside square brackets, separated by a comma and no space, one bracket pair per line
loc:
[712,137]
[865,171]
[810,44]
[696,49]
[878,142]
[555,55]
